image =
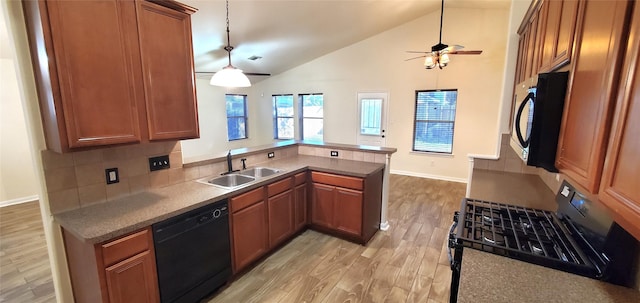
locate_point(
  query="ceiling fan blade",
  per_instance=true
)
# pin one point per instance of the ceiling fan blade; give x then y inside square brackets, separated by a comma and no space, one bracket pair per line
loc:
[453,48]
[258,74]
[470,52]
[204,74]
[417,52]
[415,58]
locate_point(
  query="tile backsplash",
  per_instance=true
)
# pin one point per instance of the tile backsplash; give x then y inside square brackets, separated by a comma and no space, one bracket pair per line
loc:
[507,162]
[78,179]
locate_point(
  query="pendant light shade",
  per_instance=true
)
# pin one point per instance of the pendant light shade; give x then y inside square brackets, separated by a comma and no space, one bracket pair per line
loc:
[230,76]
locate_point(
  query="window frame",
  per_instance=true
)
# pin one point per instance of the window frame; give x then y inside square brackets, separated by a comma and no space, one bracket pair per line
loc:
[415,121]
[245,117]
[301,117]
[276,117]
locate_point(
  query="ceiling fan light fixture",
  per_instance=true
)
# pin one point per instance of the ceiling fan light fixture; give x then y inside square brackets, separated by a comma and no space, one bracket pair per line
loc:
[444,60]
[230,77]
[429,61]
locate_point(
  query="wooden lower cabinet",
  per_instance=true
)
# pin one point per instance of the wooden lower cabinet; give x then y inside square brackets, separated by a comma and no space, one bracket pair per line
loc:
[322,204]
[132,280]
[249,228]
[346,206]
[300,203]
[348,211]
[281,217]
[120,270]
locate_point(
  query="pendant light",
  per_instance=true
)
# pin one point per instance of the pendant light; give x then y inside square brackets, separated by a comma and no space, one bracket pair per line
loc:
[229,76]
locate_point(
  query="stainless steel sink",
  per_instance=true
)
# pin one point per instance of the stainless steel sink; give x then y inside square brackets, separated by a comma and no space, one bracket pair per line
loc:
[259,172]
[231,180]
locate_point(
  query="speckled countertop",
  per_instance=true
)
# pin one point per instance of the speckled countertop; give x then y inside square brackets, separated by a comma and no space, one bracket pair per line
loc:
[489,278]
[102,222]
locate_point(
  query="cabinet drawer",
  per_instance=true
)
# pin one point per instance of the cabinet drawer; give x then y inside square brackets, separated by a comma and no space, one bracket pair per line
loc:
[125,247]
[338,180]
[278,187]
[247,199]
[300,178]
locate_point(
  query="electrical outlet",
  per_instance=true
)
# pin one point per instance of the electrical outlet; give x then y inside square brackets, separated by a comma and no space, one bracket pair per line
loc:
[271,155]
[334,153]
[112,175]
[158,163]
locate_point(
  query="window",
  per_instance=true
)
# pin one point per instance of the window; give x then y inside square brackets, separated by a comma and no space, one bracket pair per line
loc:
[434,120]
[236,117]
[311,116]
[283,116]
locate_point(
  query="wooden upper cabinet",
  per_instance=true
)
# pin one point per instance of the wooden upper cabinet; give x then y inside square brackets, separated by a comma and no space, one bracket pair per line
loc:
[563,38]
[558,33]
[167,63]
[592,90]
[529,66]
[86,61]
[112,71]
[620,186]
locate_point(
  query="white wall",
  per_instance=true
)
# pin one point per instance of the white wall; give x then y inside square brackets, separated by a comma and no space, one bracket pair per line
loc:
[17,175]
[377,64]
[213,122]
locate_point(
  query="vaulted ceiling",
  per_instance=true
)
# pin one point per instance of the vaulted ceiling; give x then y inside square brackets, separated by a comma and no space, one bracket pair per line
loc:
[289,33]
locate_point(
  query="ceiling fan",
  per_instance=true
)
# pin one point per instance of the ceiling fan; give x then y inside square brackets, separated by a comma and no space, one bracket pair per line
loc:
[439,54]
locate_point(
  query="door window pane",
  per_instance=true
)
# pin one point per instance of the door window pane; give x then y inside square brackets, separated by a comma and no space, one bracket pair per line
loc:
[371,117]
[434,120]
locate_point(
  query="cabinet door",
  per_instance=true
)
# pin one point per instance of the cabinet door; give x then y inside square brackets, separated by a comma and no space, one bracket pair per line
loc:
[530,66]
[280,208]
[348,211]
[133,280]
[592,88]
[322,205]
[300,206]
[96,57]
[167,63]
[620,188]
[249,232]
[565,31]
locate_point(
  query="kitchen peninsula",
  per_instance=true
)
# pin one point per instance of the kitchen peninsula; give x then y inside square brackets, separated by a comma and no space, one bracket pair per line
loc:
[102,225]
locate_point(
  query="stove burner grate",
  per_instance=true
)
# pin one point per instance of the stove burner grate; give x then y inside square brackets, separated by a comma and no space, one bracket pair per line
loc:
[523,233]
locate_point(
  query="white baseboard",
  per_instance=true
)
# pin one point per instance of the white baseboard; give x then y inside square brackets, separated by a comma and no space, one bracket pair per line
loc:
[19,200]
[384,226]
[428,176]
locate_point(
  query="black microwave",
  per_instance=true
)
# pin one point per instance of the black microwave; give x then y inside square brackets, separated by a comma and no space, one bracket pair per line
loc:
[538,117]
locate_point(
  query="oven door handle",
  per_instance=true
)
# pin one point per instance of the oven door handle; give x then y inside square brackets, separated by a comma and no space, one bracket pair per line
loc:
[452,242]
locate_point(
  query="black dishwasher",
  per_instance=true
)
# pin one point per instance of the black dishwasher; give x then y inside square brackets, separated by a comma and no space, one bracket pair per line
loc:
[193,254]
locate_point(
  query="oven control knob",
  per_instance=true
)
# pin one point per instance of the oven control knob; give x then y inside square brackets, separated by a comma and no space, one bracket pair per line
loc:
[216,213]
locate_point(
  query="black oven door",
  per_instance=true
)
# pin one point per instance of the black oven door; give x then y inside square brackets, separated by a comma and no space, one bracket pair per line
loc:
[454,251]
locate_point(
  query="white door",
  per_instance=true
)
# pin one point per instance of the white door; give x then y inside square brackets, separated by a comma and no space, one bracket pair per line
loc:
[372,121]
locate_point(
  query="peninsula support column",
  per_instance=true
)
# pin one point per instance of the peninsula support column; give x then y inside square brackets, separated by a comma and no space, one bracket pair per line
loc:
[384,223]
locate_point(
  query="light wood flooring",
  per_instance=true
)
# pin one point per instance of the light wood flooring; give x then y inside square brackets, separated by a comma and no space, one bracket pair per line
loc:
[407,263]
[25,273]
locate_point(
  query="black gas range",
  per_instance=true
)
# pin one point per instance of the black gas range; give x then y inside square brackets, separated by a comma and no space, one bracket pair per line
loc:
[580,237]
